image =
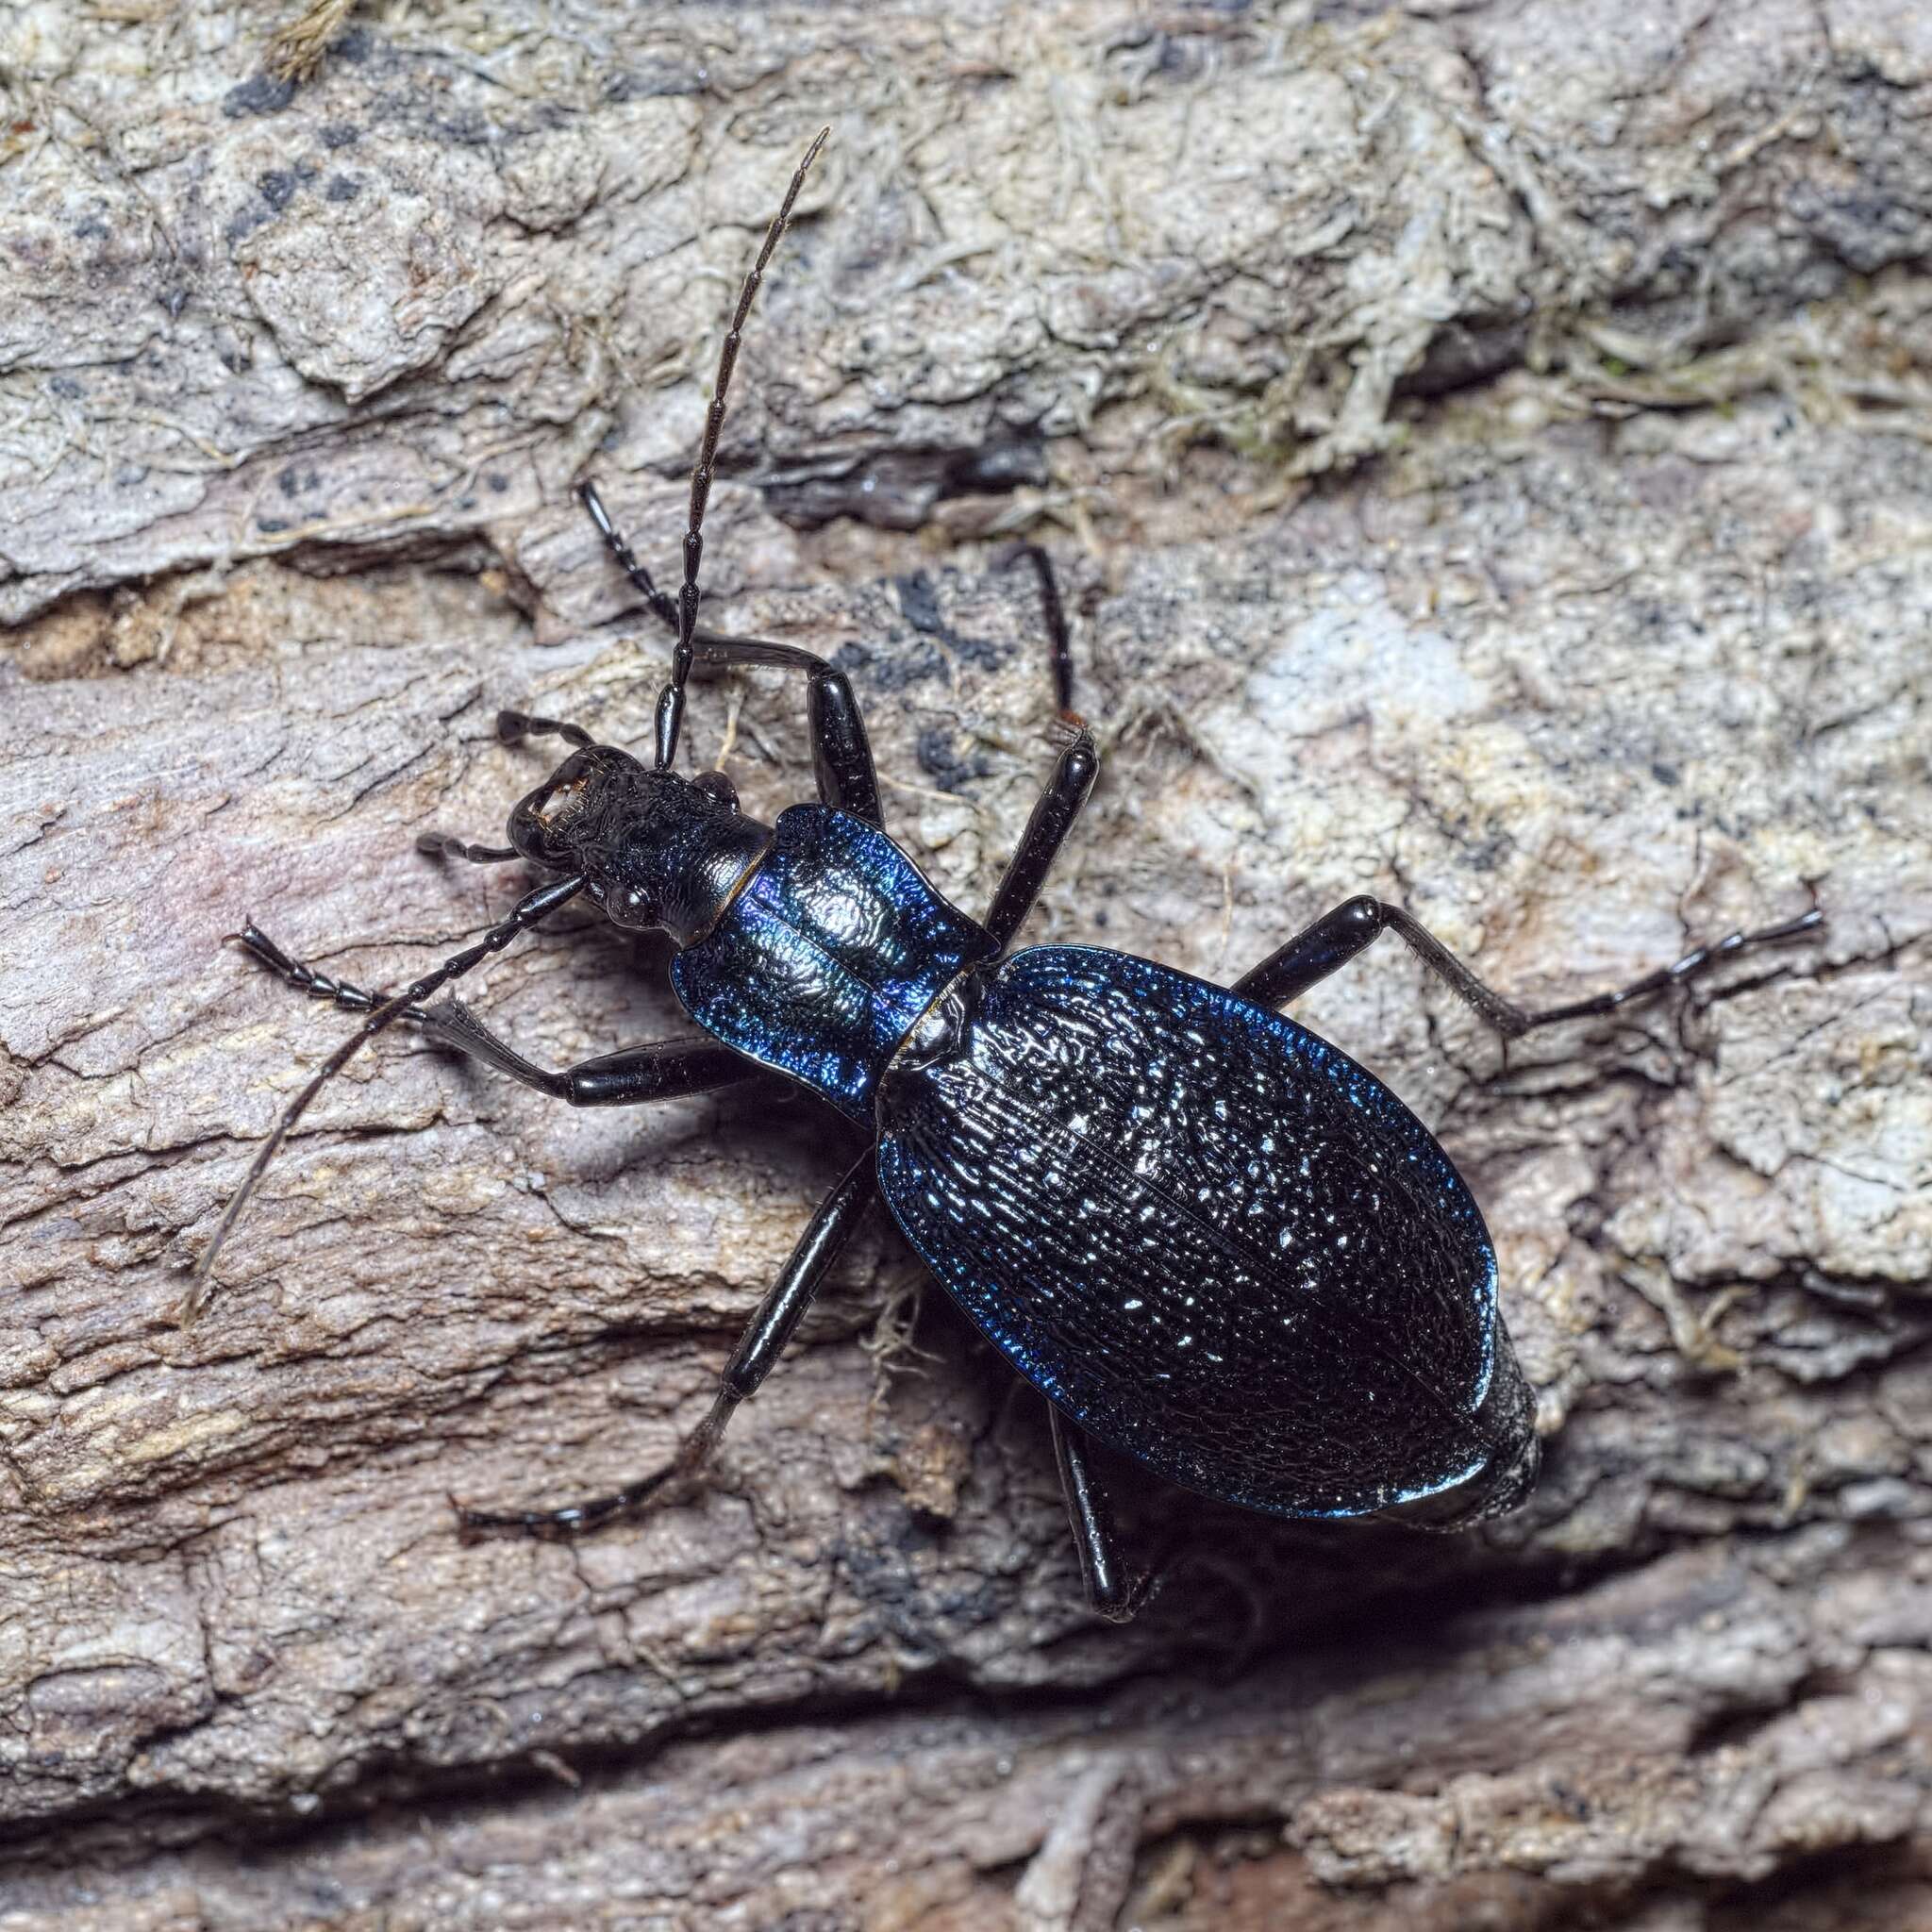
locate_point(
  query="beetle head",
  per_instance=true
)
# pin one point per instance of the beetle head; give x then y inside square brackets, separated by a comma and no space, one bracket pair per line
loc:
[658,850]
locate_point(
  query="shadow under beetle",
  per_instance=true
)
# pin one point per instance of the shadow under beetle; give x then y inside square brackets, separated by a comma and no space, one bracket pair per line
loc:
[1215,1243]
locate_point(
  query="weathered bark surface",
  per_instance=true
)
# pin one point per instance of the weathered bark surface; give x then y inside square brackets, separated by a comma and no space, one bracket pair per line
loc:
[1617,640]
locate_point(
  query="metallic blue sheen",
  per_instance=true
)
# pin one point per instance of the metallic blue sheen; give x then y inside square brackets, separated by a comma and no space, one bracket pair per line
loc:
[1214,1241]
[1211,1238]
[827,957]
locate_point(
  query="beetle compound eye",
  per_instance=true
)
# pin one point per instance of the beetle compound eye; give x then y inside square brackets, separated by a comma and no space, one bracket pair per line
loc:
[630,906]
[716,785]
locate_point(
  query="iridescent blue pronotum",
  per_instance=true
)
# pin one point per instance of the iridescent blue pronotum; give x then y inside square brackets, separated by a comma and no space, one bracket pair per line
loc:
[1214,1242]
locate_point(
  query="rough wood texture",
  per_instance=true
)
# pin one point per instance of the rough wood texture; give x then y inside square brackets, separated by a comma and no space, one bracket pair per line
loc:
[1616,640]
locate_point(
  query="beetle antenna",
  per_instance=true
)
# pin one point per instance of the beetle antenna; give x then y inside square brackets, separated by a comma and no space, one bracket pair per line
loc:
[671,700]
[529,909]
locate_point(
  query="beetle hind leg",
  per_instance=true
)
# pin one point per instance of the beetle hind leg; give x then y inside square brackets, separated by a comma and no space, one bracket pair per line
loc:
[778,1315]
[1110,1590]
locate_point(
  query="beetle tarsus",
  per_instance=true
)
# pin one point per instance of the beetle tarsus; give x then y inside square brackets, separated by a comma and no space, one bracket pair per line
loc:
[575,1518]
[662,1487]
[662,607]
[1698,960]
[1054,612]
[310,980]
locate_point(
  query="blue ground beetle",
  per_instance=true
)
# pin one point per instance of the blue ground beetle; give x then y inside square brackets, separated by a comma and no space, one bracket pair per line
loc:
[1210,1240]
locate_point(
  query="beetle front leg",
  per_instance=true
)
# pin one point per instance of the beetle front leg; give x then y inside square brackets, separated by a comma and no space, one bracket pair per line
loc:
[841,752]
[1109,1589]
[1054,612]
[453,845]
[662,607]
[778,1315]
[662,1069]
[1074,773]
[1337,937]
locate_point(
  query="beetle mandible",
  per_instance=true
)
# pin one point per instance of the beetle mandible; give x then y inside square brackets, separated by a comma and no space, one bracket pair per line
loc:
[1214,1242]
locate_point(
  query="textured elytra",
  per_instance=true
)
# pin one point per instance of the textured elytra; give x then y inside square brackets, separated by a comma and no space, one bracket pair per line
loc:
[1210,1237]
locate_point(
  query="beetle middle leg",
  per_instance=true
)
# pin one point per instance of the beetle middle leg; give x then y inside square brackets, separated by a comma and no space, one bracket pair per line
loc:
[778,1316]
[1054,612]
[1337,937]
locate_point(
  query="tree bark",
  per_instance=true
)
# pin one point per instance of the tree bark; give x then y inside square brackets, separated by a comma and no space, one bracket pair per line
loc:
[1484,450]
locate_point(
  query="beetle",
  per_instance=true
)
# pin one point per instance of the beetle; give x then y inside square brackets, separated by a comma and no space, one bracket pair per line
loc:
[1214,1242]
